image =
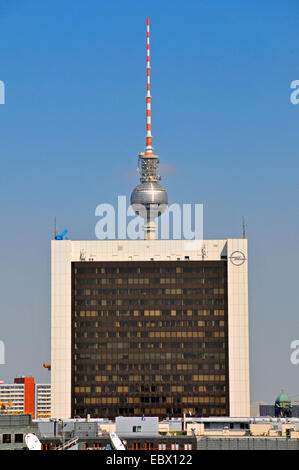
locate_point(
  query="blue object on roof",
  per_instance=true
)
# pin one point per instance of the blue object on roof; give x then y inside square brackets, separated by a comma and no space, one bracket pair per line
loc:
[61,236]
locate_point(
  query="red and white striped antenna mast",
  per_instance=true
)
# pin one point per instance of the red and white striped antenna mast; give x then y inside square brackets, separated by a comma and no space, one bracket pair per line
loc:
[148,148]
[149,193]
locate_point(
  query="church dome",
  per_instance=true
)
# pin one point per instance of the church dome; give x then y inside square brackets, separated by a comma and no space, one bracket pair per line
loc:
[282,398]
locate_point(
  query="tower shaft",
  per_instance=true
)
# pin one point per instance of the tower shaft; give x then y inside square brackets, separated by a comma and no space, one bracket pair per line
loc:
[148,148]
[148,162]
[149,199]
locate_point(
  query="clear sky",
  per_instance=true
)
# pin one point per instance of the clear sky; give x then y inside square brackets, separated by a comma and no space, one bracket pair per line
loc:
[223,126]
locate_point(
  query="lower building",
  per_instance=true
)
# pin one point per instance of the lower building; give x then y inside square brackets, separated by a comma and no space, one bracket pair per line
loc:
[17,398]
[12,398]
[25,397]
[43,400]
[218,433]
[13,430]
[148,433]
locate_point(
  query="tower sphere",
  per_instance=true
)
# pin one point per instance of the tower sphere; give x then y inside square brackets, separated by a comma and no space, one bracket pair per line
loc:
[152,196]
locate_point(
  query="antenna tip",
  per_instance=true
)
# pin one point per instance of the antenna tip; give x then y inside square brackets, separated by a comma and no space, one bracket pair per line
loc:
[147,21]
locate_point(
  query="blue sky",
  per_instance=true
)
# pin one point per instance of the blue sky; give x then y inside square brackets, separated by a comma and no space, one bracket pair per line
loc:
[223,123]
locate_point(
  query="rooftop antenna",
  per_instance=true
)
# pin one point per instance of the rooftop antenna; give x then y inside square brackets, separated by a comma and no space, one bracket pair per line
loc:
[149,147]
[244,226]
[55,231]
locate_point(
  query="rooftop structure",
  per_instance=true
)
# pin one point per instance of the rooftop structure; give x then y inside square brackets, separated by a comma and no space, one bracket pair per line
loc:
[214,433]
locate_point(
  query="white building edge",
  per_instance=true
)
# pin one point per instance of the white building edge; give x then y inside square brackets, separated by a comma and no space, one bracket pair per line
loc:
[64,252]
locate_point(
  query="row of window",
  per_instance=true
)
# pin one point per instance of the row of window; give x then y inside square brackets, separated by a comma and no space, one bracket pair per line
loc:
[160,367]
[148,356]
[137,400]
[137,445]
[147,345]
[137,388]
[156,378]
[79,381]
[90,378]
[170,411]
[9,438]
[129,366]
[178,291]
[148,313]
[123,367]
[147,324]
[204,269]
[148,334]
[212,281]
[149,302]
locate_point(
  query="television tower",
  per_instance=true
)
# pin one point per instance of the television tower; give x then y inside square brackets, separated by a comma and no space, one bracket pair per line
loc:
[149,199]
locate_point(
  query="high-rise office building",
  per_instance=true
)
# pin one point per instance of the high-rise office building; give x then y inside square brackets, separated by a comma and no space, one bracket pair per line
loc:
[149,327]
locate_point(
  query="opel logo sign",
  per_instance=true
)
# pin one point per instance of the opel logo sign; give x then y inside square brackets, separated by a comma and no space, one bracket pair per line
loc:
[237,258]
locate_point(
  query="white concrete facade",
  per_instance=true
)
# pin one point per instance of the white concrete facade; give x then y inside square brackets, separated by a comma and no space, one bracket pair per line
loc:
[64,252]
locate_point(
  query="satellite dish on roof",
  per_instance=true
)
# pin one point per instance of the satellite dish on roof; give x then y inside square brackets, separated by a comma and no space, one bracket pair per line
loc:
[32,442]
[117,444]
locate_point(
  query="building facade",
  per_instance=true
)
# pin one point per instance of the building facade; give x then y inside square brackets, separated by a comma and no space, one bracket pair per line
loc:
[149,327]
[25,397]
[18,398]
[43,400]
[12,398]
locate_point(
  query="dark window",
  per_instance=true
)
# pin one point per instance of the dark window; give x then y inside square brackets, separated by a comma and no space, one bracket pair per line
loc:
[136,428]
[6,438]
[19,438]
